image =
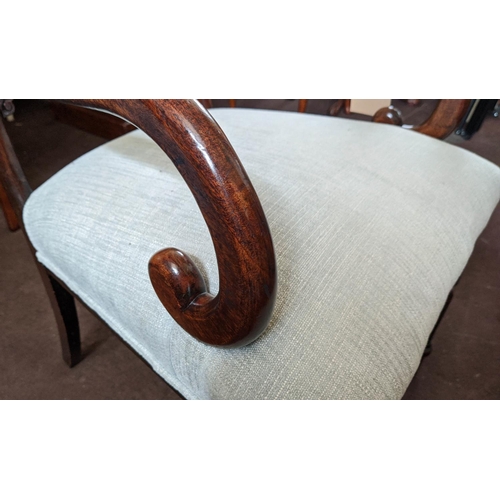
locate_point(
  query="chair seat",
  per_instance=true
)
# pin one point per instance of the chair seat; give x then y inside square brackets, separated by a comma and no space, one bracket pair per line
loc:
[372,227]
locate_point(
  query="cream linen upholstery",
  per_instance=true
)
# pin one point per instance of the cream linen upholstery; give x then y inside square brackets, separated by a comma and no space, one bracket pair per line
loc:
[372,227]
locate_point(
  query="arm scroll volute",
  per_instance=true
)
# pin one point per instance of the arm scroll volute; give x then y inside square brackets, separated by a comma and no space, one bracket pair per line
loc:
[241,310]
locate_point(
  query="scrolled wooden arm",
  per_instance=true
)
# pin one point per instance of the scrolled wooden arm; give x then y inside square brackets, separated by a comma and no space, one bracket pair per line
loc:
[442,122]
[229,204]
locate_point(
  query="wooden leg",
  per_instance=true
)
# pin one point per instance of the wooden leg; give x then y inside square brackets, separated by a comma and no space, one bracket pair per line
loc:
[302,105]
[8,211]
[63,305]
[62,301]
[232,103]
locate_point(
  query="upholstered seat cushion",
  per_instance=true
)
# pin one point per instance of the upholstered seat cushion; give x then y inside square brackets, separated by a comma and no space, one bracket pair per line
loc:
[372,226]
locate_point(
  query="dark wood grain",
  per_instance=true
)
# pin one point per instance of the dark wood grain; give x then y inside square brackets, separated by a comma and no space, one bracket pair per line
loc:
[100,124]
[233,213]
[444,120]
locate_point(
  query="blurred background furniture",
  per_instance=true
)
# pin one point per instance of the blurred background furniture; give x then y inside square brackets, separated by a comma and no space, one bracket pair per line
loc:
[474,118]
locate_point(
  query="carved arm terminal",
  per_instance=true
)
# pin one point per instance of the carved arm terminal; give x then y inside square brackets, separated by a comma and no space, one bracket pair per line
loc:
[206,160]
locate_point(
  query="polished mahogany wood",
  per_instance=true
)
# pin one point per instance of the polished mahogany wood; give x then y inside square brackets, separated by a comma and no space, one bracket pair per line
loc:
[97,123]
[389,115]
[442,122]
[444,119]
[233,213]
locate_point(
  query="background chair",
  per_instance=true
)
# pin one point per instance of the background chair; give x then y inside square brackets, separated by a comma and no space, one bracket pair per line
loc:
[41,214]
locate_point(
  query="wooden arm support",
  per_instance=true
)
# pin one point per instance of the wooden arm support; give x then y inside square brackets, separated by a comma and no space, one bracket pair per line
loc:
[233,213]
[443,121]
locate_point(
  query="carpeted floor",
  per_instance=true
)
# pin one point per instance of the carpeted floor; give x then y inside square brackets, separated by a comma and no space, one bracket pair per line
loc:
[465,362]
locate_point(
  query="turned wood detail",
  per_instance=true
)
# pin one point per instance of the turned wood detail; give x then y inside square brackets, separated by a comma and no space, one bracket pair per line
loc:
[389,115]
[245,255]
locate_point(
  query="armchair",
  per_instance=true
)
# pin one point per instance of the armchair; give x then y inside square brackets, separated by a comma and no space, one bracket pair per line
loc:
[372,226]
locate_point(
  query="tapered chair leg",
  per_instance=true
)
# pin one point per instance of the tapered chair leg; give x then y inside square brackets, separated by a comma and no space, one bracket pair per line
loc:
[63,305]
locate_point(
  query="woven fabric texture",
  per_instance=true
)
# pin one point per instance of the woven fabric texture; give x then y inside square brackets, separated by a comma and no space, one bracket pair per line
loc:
[372,227]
